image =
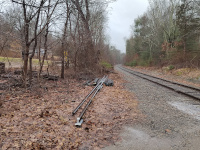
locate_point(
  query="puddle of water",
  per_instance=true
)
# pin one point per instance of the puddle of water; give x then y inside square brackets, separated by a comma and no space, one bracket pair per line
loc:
[193,110]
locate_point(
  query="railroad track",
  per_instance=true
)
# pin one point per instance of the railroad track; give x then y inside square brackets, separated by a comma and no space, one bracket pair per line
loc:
[177,87]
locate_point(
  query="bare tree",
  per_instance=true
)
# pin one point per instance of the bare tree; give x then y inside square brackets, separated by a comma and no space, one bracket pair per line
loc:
[64,37]
[85,16]
[31,13]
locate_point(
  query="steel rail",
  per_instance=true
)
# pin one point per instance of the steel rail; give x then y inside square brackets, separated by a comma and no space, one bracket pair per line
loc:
[184,85]
[79,119]
[167,86]
[85,108]
[82,102]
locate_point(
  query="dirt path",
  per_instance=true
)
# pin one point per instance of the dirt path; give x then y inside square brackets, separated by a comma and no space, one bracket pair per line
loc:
[172,121]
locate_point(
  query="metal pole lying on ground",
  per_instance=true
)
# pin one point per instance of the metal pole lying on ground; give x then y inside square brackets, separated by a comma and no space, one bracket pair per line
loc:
[100,85]
[76,109]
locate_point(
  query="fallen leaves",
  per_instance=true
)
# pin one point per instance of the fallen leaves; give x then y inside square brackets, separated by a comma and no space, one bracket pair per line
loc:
[45,122]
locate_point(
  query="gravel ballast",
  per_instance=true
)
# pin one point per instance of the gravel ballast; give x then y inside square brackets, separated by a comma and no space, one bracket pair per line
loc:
[172,121]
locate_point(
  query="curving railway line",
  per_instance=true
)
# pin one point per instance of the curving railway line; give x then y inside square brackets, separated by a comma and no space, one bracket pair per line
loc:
[177,87]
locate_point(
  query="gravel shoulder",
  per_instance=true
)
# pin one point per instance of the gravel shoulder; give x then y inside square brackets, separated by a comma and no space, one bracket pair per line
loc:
[172,121]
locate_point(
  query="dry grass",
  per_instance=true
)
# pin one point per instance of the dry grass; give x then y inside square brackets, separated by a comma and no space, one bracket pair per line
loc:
[18,62]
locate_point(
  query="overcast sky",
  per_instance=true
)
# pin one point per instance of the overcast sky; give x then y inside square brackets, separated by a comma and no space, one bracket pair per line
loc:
[121,16]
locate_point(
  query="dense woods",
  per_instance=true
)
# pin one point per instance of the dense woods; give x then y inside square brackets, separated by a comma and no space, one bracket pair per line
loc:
[167,34]
[72,32]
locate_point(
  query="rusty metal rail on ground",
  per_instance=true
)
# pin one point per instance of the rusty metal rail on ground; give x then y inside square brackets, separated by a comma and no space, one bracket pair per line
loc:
[189,91]
[94,91]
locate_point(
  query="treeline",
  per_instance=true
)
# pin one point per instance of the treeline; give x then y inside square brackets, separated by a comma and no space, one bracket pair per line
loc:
[72,30]
[167,34]
[113,56]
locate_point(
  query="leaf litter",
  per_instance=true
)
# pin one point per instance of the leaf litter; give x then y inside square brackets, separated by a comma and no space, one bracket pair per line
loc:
[38,119]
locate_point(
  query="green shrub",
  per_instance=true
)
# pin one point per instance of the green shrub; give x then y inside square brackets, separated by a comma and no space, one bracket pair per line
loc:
[126,64]
[144,63]
[171,67]
[106,65]
[132,63]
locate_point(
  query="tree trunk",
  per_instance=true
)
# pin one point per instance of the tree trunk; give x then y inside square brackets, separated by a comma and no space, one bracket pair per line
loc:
[89,47]
[45,49]
[63,67]
[63,46]
[25,68]
[30,70]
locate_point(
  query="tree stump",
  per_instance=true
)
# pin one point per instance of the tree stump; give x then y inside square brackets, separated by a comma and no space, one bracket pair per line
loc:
[2,67]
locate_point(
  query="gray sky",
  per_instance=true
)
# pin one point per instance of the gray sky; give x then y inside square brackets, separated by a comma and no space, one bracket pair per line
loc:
[121,16]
